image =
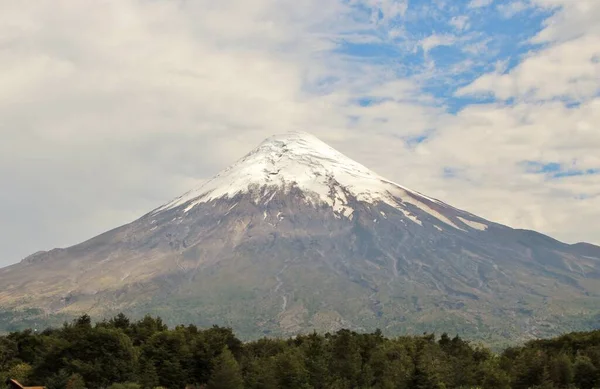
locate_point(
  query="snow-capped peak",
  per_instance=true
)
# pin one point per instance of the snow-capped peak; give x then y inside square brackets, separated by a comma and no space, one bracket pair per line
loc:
[299,159]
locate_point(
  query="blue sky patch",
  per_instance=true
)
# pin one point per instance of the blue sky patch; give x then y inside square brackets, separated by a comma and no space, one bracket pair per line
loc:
[556,170]
[445,45]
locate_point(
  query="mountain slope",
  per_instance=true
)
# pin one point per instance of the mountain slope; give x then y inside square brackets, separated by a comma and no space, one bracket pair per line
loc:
[295,236]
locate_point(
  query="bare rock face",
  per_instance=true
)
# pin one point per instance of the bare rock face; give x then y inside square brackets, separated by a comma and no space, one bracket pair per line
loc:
[296,237]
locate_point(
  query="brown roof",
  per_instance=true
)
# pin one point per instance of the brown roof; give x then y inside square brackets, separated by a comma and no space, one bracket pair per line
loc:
[16,384]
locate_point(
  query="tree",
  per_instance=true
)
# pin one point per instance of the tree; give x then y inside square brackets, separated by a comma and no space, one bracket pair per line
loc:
[346,361]
[168,351]
[84,321]
[392,366]
[206,346]
[424,379]
[58,380]
[496,379]
[20,372]
[29,346]
[530,368]
[8,351]
[259,374]
[143,329]
[585,373]
[102,356]
[226,373]
[148,377]
[120,321]
[125,385]
[561,371]
[290,371]
[431,367]
[75,382]
[316,357]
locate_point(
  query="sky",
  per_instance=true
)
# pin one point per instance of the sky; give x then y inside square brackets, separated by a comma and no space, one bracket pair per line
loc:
[111,108]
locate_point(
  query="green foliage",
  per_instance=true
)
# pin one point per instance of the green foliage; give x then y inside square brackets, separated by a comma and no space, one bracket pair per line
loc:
[561,371]
[75,382]
[148,375]
[20,372]
[57,380]
[290,371]
[169,354]
[8,353]
[125,385]
[146,354]
[226,373]
[585,373]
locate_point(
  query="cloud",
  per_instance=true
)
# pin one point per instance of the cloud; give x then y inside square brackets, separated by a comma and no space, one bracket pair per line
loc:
[460,22]
[488,144]
[512,8]
[574,19]
[109,109]
[383,11]
[436,40]
[479,3]
[566,69]
[545,131]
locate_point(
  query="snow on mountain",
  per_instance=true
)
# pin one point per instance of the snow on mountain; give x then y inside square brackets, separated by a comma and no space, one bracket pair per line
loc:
[298,159]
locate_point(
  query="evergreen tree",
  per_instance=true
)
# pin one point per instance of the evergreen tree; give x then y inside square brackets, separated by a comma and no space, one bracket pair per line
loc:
[8,352]
[58,380]
[168,351]
[392,366]
[585,373]
[145,354]
[143,329]
[496,379]
[124,385]
[423,379]
[260,374]
[290,371]
[226,373]
[316,357]
[346,360]
[530,367]
[148,377]
[561,371]
[75,382]
[120,321]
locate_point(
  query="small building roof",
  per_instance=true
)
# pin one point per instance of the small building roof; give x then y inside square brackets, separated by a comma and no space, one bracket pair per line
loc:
[14,384]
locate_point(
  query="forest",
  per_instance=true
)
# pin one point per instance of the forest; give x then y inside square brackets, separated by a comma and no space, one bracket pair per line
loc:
[125,354]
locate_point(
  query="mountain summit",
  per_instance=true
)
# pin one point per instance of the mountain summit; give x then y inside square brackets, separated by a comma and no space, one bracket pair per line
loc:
[296,236]
[298,160]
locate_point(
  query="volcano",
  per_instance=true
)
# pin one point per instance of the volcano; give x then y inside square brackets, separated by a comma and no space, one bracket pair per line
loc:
[296,237]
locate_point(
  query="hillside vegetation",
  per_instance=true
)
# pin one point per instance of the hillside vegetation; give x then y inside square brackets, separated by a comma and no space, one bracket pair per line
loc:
[119,353]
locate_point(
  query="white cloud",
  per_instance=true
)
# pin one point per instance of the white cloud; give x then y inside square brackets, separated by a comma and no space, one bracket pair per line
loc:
[436,40]
[108,109]
[388,9]
[512,8]
[567,68]
[460,22]
[574,20]
[538,127]
[485,145]
[479,3]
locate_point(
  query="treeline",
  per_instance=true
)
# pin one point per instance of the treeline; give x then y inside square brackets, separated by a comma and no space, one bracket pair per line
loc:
[124,354]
